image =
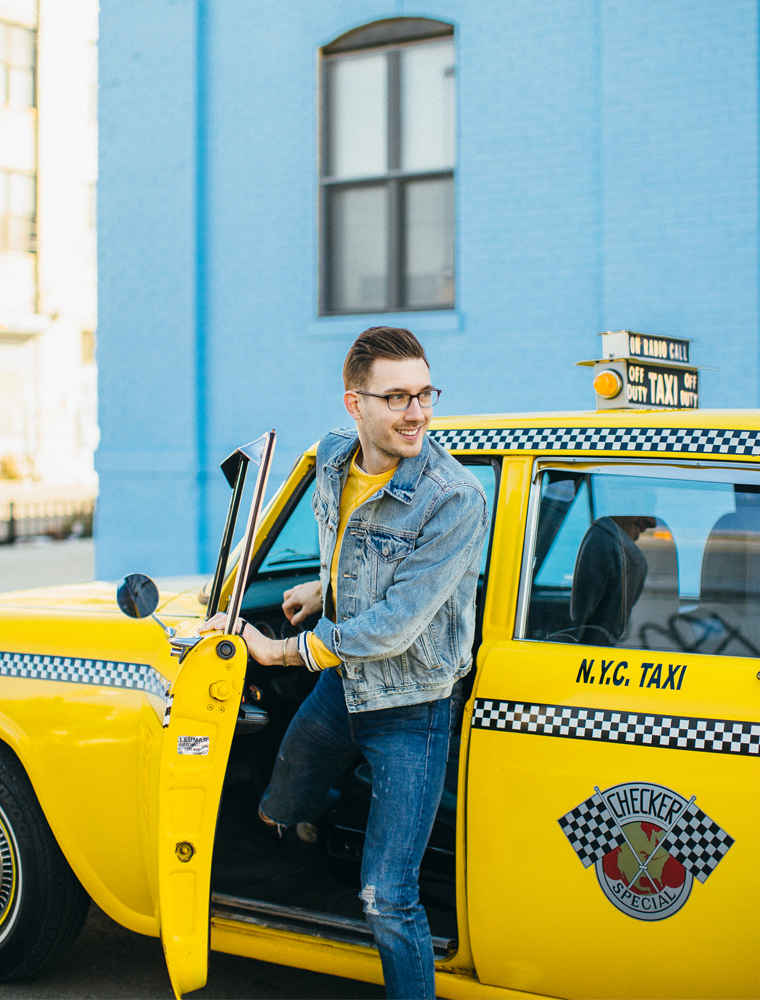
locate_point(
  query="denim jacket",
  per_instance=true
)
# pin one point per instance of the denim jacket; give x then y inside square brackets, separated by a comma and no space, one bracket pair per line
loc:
[407,575]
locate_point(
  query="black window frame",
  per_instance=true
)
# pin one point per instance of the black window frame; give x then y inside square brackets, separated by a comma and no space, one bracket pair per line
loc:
[391,37]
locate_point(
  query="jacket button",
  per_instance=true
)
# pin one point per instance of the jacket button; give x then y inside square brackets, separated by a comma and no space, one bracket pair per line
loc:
[345,618]
[386,550]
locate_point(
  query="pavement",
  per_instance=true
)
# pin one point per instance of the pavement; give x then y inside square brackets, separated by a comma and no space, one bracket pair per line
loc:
[108,962]
[43,562]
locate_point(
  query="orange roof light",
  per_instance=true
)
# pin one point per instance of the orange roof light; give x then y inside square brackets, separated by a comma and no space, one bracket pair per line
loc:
[608,383]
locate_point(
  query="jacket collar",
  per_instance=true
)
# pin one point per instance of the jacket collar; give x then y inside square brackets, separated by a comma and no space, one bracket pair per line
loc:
[408,472]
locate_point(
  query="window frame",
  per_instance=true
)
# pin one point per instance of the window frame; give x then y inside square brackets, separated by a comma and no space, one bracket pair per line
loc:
[6,64]
[587,464]
[394,180]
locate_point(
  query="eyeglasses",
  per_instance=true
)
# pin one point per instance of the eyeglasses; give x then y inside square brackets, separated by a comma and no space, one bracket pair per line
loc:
[403,400]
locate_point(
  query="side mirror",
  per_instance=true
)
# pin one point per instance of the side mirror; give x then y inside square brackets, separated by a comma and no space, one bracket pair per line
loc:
[137,595]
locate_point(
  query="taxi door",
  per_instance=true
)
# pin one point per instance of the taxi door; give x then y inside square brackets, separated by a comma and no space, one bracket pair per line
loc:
[201,715]
[613,802]
[199,724]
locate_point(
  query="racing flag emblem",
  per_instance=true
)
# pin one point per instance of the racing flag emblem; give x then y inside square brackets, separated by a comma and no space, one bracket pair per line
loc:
[647,843]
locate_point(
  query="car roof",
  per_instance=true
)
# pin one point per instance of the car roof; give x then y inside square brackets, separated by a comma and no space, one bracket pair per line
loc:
[742,419]
[716,432]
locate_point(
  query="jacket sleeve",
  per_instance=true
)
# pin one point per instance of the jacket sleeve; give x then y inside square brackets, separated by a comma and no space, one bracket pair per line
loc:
[449,544]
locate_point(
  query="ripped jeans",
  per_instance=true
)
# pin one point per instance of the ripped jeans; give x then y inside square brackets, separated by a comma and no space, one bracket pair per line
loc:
[407,749]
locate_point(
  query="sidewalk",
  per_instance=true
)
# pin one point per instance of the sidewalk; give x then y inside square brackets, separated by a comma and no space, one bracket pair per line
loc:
[43,562]
[46,563]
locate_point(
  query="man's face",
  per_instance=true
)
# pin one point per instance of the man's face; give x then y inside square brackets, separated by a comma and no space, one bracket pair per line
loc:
[392,433]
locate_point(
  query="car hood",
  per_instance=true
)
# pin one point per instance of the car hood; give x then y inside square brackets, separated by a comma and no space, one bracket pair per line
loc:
[99,597]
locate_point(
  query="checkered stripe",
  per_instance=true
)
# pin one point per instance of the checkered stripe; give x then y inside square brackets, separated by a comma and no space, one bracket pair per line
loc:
[697,842]
[591,830]
[108,673]
[658,439]
[574,723]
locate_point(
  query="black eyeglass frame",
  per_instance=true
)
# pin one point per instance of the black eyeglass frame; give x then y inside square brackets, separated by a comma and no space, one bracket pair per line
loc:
[411,396]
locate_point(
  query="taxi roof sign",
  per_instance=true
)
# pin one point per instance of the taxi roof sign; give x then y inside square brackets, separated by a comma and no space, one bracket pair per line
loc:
[638,371]
[627,344]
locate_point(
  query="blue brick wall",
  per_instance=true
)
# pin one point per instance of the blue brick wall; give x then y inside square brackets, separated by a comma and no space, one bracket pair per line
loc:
[607,178]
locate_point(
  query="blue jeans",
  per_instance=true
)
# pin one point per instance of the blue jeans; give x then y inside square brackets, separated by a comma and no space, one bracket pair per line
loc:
[407,749]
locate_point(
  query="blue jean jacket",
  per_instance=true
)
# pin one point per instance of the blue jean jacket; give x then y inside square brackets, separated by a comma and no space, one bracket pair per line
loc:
[407,575]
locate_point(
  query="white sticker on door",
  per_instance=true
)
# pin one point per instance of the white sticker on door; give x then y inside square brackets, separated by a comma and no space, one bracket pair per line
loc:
[196,745]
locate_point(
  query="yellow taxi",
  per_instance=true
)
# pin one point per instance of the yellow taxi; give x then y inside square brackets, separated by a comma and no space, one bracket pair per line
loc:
[599,832]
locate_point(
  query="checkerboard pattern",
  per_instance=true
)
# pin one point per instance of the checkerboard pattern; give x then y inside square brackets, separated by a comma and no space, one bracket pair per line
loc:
[648,439]
[574,723]
[108,673]
[591,830]
[168,710]
[697,842]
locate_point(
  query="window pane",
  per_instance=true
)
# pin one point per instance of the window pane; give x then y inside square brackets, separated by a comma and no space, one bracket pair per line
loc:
[21,195]
[671,564]
[430,243]
[359,248]
[486,476]
[297,545]
[428,107]
[358,116]
[21,88]
[20,46]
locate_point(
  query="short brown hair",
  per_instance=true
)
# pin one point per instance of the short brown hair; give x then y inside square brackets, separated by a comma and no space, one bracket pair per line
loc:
[391,342]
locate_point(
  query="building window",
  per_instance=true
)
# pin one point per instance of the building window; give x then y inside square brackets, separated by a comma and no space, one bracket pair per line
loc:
[18,211]
[387,177]
[17,59]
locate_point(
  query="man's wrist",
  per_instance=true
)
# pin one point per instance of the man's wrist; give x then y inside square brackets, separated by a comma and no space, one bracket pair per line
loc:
[291,655]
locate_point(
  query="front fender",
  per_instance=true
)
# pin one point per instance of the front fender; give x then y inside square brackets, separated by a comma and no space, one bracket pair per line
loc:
[91,750]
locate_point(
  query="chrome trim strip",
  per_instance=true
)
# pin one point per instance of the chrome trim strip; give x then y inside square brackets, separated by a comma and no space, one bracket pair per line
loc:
[279,917]
[529,544]
[241,577]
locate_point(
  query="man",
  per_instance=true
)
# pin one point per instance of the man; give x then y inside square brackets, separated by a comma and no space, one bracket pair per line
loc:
[609,575]
[401,531]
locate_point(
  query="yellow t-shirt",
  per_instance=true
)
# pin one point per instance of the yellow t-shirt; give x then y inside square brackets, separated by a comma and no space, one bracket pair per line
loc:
[359,487]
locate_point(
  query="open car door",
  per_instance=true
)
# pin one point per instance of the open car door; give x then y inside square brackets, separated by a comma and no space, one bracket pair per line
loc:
[199,724]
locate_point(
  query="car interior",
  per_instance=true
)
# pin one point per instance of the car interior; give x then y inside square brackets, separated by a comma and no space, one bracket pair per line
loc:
[700,540]
[308,879]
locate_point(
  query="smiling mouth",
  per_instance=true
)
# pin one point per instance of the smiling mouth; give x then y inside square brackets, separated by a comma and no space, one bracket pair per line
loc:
[410,434]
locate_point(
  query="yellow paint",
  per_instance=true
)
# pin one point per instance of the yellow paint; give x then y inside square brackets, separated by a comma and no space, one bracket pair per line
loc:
[189,790]
[556,933]
[337,959]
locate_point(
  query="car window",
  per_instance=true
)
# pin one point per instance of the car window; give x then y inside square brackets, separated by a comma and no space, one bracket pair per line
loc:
[648,558]
[297,545]
[486,476]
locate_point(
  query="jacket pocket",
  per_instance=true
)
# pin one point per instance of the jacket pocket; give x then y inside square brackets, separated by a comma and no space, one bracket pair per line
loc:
[388,546]
[423,656]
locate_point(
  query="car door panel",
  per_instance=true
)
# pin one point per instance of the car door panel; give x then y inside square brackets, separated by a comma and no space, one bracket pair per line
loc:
[556,725]
[197,735]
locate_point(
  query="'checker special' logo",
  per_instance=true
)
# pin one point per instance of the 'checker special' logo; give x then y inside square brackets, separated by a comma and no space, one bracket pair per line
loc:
[647,844]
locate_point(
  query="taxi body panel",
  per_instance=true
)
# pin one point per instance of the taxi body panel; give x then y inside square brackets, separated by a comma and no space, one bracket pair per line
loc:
[531,919]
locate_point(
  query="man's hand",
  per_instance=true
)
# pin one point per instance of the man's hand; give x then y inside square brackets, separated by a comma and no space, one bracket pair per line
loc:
[301,601]
[266,651]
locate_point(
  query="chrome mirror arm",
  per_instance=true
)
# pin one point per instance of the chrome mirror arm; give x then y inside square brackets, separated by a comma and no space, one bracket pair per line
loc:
[170,632]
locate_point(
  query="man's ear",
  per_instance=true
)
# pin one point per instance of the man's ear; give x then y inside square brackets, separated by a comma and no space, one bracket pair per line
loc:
[351,400]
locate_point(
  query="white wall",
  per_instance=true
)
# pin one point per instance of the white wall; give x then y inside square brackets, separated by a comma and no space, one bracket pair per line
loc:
[48,307]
